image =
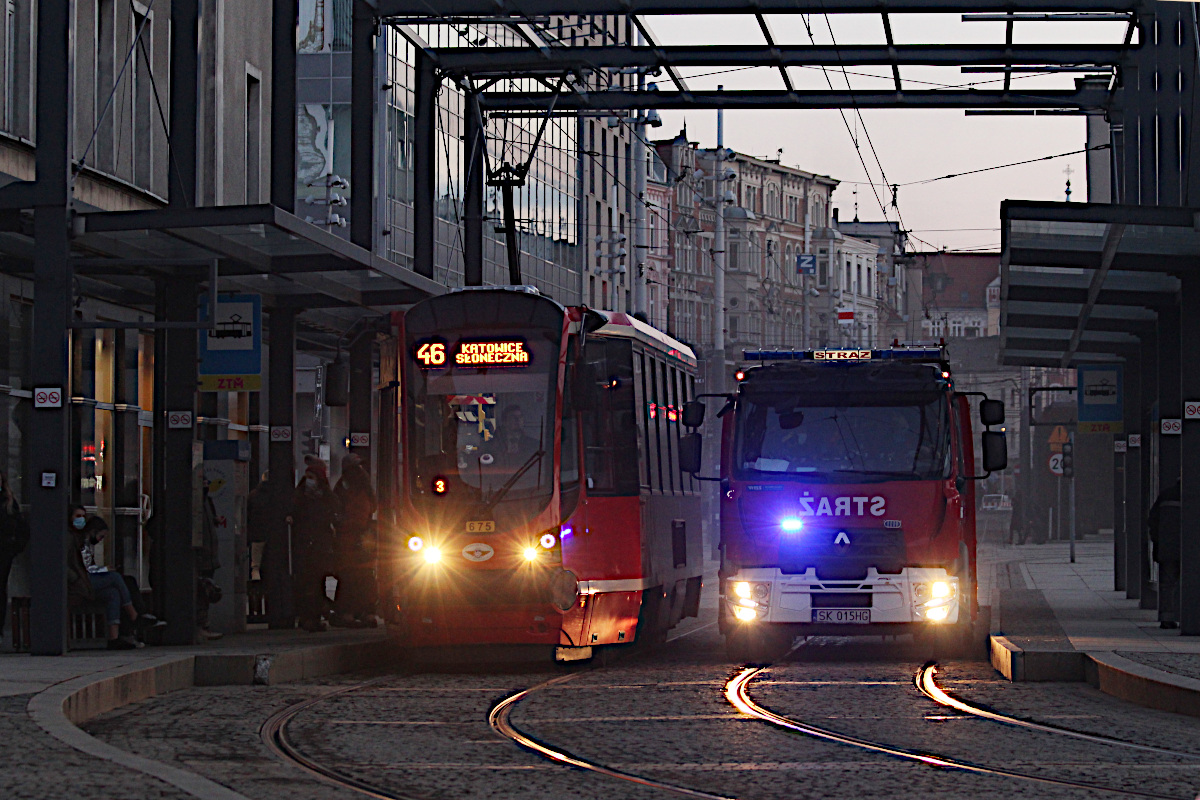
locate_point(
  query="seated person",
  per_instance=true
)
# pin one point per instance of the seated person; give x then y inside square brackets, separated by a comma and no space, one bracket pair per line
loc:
[88,582]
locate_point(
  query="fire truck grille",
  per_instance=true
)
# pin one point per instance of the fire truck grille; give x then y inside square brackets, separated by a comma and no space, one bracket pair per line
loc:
[843,553]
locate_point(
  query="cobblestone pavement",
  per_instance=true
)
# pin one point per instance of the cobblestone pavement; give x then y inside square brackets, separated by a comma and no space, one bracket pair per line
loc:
[1185,664]
[662,714]
[36,766]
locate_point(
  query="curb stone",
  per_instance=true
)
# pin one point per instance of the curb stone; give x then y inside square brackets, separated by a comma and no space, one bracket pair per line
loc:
[61,708]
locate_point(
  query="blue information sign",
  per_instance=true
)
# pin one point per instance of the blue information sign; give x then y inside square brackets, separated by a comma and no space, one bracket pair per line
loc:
[231,354]
[1100,396]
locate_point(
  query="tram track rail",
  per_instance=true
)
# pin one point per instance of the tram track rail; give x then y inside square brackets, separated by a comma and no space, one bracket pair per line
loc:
[738,695]
[274,734]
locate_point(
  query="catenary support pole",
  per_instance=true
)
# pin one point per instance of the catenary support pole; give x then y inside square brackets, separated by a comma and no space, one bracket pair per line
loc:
[185,28]
[48,491]
[181,469]
[425,167]
[1189,554]
[362,396]
[281,366]
[364,95]
[1170,406]
[1125,481]
[284,19]
[1137,567]
[473,182]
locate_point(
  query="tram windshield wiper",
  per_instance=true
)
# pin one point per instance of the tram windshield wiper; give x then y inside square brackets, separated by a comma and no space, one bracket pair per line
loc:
[495,499]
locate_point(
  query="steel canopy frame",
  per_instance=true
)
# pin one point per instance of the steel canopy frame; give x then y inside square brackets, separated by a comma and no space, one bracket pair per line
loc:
[536,8]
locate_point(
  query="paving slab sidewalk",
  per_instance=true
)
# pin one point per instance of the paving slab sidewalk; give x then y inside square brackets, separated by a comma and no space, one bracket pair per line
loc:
[1061,620]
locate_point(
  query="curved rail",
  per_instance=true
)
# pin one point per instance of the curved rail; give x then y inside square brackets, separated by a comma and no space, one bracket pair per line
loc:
[737,693]
[927,685]
[500,722]
[274,735]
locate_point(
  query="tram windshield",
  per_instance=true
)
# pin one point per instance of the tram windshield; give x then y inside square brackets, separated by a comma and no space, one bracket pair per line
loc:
[481,422]
[838,438]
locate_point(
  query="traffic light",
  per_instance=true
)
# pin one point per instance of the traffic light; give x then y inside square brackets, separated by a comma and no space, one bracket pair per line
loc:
[1068,460]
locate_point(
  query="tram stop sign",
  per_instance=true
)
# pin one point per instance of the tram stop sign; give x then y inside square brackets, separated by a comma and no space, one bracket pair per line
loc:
[1100,399]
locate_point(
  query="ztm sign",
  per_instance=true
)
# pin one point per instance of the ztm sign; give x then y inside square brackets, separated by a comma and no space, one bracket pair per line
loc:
[47,397]
[1171,427]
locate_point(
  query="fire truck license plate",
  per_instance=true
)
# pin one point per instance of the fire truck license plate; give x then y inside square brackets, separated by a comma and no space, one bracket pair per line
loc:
[858,616]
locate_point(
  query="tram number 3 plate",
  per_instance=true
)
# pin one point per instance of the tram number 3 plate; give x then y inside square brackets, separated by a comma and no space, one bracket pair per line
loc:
[856,616]
[481,526]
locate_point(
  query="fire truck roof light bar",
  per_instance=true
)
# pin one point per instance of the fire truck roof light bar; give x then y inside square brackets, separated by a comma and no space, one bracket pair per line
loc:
[842,356]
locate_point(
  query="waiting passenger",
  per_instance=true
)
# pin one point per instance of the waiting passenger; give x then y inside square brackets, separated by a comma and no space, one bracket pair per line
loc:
[88,582]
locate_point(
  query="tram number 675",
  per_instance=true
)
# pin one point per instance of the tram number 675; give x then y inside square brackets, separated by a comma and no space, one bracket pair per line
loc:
[432,354]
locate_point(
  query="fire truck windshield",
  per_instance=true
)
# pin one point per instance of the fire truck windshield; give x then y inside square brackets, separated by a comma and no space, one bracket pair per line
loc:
[843,438]
[485,432]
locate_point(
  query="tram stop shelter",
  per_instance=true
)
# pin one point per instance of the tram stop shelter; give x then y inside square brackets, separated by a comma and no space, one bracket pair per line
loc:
[1093,283]
[318,292]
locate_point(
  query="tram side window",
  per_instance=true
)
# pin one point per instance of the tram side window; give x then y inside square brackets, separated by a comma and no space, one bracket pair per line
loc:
[642,413]
[657,412]
[689,386]
[609,429]
[670,454]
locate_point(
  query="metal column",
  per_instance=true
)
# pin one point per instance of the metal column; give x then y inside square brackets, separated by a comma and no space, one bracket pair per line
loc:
[284,19]
[364,90]
[475,166]
[1170,405]
[281,355]
[1137,565]
[425,167]
[1189,555]
[361,414]
[50,460]
[1127,483]
[181,465]
[185,28]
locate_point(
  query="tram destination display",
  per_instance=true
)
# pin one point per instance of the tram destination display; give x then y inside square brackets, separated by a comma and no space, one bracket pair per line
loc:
[489,353]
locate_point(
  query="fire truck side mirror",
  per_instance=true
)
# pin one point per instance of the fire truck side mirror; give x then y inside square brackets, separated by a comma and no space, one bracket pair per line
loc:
[689,452]
[995,451]
[693,413]
[991,412]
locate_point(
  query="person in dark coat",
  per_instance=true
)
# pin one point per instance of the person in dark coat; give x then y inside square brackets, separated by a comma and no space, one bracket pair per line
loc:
[356,593]
[14,538]
[315,512]
[1163,522]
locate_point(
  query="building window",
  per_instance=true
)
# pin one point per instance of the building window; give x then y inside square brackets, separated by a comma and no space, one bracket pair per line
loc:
[956,327]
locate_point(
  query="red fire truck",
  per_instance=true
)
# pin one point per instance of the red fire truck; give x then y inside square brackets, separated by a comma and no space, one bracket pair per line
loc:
[847,497]
[541,500]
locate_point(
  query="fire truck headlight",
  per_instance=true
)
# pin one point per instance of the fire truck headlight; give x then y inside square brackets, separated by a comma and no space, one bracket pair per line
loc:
[742,590]
[531,554]
[920,592]
[745,614]
[941,589]
[937,614]
[791,524]
[432,555]
[762,592]
[415,543]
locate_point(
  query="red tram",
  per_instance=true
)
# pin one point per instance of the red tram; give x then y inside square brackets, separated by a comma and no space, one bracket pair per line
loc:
[541,500]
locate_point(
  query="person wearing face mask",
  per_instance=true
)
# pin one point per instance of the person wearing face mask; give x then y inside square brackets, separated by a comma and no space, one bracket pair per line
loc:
[314,518]
[87,583]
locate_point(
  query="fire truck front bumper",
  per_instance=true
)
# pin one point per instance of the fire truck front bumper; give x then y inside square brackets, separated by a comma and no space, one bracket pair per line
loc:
[916,596]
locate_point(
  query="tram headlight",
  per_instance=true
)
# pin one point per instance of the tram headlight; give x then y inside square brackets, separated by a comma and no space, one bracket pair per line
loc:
[742,589]
[745,614]
[531,554]
[941,589]
[415,543]
[548,540]
[432,555]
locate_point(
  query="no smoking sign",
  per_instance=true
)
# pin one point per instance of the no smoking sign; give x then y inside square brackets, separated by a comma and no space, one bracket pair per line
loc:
[1171,427]
[179,419]
[1191,409]
[47,397]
